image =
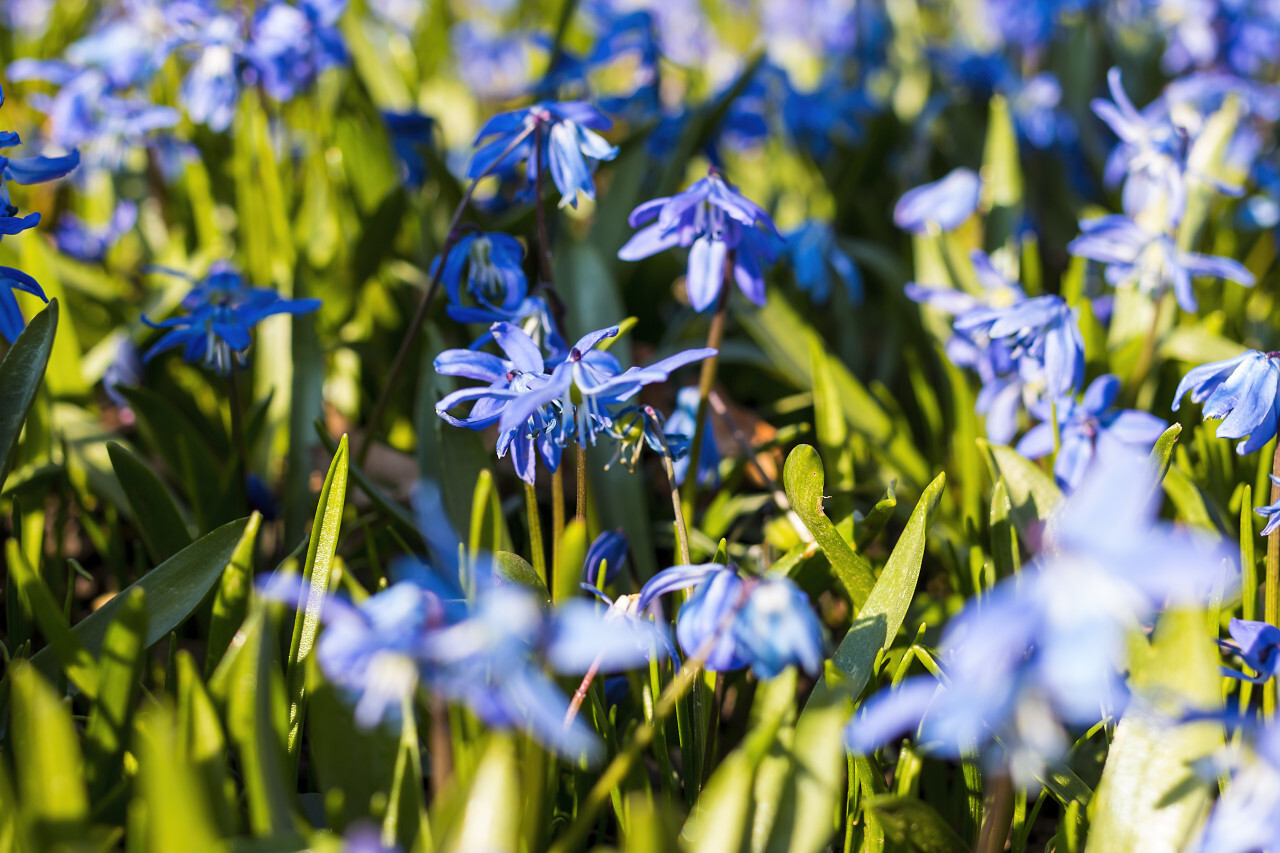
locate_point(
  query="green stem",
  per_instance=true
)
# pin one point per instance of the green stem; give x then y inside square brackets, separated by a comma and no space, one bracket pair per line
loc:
[1146,356]
[535,534]
[682,532]
[424,305]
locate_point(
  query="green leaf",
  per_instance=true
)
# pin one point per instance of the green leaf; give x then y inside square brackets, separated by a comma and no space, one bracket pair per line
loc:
[915,825]
[1033,494]
[163,531]
[573,553]
[875,520]
[46,753]
[178,815]
[1162,453]
[174,590]
[20,375]
[803,481]
[1188,498]
[488,526]
[512,568]
[829,421]
[75,660]
[235,593]
[488,820]
[119,669]
[204,744]
[315,577]
[1004,539]
[1001,172]
[1150,797]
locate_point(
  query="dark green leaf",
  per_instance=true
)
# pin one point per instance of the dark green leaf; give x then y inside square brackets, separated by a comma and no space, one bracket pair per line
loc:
[20,375]
[915,825]
[119,668]
[163,531]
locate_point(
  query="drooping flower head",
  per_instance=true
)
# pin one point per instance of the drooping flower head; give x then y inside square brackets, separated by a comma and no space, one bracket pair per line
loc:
[609,550]
[566,133]
[1258,645]
[1042,336]
[718,225]
[1243,391]
[944,204]
[1271,512]
[223,309]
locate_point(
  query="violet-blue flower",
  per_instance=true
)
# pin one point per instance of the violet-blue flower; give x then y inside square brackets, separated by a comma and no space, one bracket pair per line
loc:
[818,262]
[1270,512]
[718,225]
[486,267]
[678,434]
[1242,391]
[90,243]
[291,43]
[1085,427]
[1153,262]
[1042,336]
[568,139]
[1258,644]
[944,204]
[610,549]
[1151,154]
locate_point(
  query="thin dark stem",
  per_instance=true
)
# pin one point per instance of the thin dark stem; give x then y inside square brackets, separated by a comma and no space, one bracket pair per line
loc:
[682,532]
[715,337]
[580,510]
[544,242]
[1271,602]
[424,305]
[713,738]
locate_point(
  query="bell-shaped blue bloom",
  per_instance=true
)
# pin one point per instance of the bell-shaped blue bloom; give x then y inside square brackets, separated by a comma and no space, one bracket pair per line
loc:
[1042,336]
[718,225]
[1258,645]
[224,308]
[679,430]
[1152,262]
[522,372]
[1047,650]
[1085,428]
[1243,392]
[568,139]
[90,243]
[610,548]
[1271,512]
[766,623]
[943,205]
[486,268]
[818,262]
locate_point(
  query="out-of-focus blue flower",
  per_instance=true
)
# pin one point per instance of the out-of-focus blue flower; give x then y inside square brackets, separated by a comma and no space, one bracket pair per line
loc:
[944,204]
[828,115]
[568,141]
[1152,262]
[90,243]
[488,268]
[1246,817]
[1085,427]
[224,308]
[597,381]
[1242,391]
[1042,336]
[522,372]
[1003,388]
[365,838]
[400,15]
[1047,649]
[630,37]
[211,89]
[290,44]
[609,548]
[125,370]
[409,130]
[678,433]
[1151,154]
[716,224]
[817,259]
[1258,644]
[1271,512]
[28,17]
[495,65]
[766,623]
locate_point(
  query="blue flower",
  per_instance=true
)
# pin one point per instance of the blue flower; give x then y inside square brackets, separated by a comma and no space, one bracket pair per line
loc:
[678,434]
[1271,512]
[817,260]
[223,310]
[718,225]
[1258,644]
[489,268]
[568,140]
[211,88]
[1151,154]
[1047,650]
[1242,391]
[609,548]
[291,44]
[125,370]
[1153,262]
[765,623]
[943,205]
[11,321]
[522,372]
[598,382]
[90,243]
[1085,427]
[1042,336]
[1246,817]
[409,130]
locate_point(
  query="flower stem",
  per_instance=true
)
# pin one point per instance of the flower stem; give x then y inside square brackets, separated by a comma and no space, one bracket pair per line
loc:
[535,533]
[1147,354]
[715,337]
[682,532]
[580,509]
[424,305]
[1271,602]
[237,432]
[544,242]
[557,516]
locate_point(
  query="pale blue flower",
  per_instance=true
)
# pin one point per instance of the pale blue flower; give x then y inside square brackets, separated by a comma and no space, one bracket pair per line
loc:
[944,204]
[1243,392]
